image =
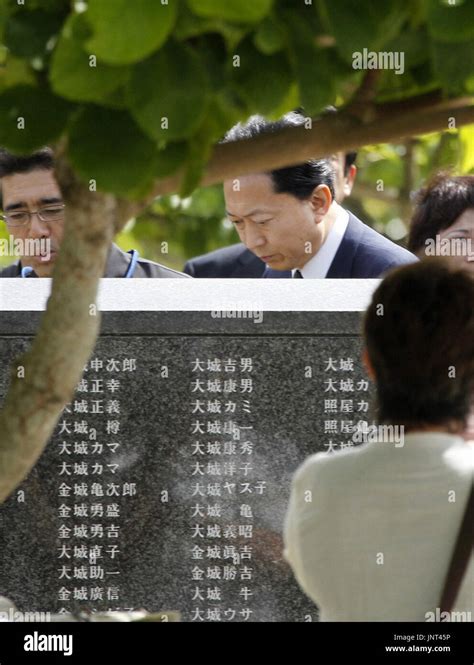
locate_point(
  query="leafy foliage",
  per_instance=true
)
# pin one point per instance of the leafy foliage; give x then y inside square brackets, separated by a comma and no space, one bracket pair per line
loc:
[143,88]
[95,131]
[125,32]
[71,74]
[167,111]
[172,65]
[30,117]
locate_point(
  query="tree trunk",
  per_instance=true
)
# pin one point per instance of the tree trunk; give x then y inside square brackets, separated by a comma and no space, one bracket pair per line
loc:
[66,337]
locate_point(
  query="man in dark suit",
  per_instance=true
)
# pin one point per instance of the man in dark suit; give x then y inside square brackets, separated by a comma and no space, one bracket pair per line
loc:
[291,220]
[233,261]
[362,253]
[237,261]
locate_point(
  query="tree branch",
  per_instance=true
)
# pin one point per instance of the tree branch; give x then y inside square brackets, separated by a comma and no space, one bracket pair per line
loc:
[361,105]
[333,133]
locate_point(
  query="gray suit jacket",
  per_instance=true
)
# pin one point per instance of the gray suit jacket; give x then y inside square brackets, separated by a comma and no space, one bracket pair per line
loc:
[117,264]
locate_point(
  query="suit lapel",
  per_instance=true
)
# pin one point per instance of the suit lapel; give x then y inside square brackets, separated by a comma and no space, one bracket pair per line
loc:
[342,264]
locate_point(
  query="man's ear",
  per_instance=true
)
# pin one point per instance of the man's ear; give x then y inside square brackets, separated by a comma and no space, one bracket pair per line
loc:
[321,199]
[367,364]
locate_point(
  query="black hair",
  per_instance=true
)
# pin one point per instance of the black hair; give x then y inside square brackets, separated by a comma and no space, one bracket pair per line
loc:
[420,325]
[349,160]
[299,180]
[438,206]
[10,163]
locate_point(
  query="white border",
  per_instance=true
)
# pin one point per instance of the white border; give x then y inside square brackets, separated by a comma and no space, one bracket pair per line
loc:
[272,295]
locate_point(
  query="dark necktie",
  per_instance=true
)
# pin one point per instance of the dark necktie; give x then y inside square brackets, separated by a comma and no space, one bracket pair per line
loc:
[297,275]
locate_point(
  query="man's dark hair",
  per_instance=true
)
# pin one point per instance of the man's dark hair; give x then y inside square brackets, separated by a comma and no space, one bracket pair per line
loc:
[419,332]
[11,164]
[299,180]
[438,205]
[349,160]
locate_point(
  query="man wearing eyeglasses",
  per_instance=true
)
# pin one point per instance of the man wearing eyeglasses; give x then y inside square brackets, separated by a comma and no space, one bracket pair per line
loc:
[33,211]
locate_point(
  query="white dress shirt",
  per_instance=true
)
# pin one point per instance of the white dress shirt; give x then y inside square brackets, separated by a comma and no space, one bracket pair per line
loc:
[370,531]
[318,265]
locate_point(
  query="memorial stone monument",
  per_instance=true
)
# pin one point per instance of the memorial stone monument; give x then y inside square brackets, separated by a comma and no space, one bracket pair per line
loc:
[165,484]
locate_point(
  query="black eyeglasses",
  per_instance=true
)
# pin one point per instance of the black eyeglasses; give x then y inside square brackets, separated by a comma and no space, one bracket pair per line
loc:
[52,213]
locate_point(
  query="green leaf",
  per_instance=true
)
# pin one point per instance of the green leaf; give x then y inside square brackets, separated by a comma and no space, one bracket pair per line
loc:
[222,115]
[194,169]
[313,66]
[423,76]
[415,44]
[416,81]
[170,158]
[76,75]
[31,117]
[169,93]
[246,11]
[15,72]
[198,155]
[207,202]
[48,5]
[108,147]
[213,55]
[188,26]
[270,36]
[389,170]
[263,81]
[117,99]
[469,83]
[451,23]
[454,65]
[218,120]
[290,102]
[3,19]
[363,24]
[26,33]
[126,32]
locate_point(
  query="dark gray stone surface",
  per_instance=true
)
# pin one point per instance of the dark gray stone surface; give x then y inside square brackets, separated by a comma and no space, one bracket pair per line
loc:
[155,562]
[201,323]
